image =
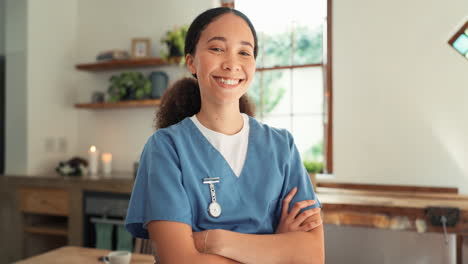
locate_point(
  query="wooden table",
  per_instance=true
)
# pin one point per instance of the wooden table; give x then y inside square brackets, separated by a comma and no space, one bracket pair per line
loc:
[392,207]
[80,255]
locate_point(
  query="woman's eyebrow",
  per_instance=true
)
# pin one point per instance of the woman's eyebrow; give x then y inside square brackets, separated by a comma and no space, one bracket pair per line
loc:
[224,40]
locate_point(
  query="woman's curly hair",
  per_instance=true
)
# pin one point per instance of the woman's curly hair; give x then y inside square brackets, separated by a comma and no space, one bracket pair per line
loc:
[183,100]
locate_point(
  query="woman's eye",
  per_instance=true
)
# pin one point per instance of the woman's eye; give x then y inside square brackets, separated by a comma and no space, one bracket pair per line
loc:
[244,53]
[216,49]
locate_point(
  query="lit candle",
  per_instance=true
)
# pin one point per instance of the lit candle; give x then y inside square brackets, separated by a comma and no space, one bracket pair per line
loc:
[106,160]
[93,160]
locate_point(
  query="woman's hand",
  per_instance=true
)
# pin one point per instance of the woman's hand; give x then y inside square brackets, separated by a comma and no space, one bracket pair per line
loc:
[199,238]
[291,221]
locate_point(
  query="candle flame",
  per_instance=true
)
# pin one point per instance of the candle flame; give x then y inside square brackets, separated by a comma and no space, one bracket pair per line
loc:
[93,148]
[106,157]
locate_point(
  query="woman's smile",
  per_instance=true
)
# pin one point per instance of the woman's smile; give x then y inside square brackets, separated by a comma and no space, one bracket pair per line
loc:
[226,82]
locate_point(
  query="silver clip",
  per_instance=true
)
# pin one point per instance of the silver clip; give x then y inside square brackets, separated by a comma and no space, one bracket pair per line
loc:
[210,180]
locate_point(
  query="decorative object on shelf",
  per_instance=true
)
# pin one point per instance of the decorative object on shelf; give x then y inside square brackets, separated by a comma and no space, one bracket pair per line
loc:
[76,166]
[141,47]
[129,86]
[159,81]
[459,41]
[106,160]
[313,167]
[175,44]
[112,55]
[122,104]
[123,64]
[98,97]
[227,3]
[93,157]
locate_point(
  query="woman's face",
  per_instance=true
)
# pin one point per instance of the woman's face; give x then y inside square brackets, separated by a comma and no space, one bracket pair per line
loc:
[224,60]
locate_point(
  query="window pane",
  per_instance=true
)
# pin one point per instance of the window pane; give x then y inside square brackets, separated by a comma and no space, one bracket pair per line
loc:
[301,21]
[279,121]
[308,44]
[276,92]
[308,135]
[276,49]
[461,44]
[271,92]
[254,93]
[307,92]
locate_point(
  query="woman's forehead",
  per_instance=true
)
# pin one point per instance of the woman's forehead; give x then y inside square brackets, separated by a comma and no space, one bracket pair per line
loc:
[229,27]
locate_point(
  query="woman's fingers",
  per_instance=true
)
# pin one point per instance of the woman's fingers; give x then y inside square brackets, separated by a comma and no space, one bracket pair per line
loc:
[299,206]
[311,225]
[306,214]
[293,221]
[286,201]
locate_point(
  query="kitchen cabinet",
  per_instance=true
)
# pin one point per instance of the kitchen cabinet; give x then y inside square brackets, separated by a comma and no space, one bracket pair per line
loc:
[40,213]
[44,213]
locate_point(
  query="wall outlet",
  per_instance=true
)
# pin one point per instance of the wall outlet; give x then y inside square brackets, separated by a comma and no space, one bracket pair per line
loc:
[434,215]
[62,145]
[49,144]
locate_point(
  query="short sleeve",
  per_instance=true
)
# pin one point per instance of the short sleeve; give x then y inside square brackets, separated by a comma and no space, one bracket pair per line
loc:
[158,192]
[296,175]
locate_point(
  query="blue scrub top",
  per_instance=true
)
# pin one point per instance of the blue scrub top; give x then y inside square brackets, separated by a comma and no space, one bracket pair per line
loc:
[169,184]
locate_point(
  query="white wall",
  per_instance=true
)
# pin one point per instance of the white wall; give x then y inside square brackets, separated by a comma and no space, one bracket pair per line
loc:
[16,127]
[104,25]
[399,93]
[399,115]
[51,85]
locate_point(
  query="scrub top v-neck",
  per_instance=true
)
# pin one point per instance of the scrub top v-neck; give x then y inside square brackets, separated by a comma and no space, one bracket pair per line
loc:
[232,147]
[175,160]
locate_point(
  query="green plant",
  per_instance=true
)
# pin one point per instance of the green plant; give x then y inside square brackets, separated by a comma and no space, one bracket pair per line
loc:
[313,166]
[175,43]
[129,86]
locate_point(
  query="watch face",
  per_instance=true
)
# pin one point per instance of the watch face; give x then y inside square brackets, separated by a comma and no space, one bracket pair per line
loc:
[214,209]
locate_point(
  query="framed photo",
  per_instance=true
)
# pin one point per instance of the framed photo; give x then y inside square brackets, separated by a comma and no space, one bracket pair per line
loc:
[141,47]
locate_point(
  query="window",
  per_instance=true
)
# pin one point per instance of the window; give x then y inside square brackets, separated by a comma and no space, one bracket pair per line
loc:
[292,86]
[460,41]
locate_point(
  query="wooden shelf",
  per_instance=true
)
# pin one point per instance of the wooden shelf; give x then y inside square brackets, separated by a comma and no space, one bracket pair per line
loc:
[56,229]
[123,104]
[122,64]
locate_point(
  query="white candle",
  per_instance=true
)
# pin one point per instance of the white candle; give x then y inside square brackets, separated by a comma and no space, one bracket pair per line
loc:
[93,160]
[106,160]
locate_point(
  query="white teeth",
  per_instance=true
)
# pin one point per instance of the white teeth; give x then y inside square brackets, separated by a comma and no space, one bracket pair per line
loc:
[228,81]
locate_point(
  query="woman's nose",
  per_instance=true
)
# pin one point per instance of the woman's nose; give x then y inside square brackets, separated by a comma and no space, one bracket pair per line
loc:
[230,63]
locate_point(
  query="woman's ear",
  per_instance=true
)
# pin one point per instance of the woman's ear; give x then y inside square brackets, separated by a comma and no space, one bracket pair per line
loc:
[189,62]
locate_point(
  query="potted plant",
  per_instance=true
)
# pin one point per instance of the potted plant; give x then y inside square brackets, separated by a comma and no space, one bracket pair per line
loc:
[129,86]
[175,43]
[313,167]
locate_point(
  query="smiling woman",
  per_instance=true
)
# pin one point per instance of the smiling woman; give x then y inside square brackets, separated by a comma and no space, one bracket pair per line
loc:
[215,185]
[223,62]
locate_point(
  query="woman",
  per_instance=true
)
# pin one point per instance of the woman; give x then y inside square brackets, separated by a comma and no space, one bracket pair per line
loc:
[215,185]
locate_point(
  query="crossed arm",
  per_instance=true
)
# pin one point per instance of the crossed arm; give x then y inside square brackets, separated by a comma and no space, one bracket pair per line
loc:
[298,239]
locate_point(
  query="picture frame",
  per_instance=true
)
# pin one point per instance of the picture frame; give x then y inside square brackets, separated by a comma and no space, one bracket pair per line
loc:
[141,48]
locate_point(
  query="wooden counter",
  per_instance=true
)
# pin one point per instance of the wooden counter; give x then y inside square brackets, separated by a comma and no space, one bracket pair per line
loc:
[400,208]
[376,206]
[13,187]
[80,255]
